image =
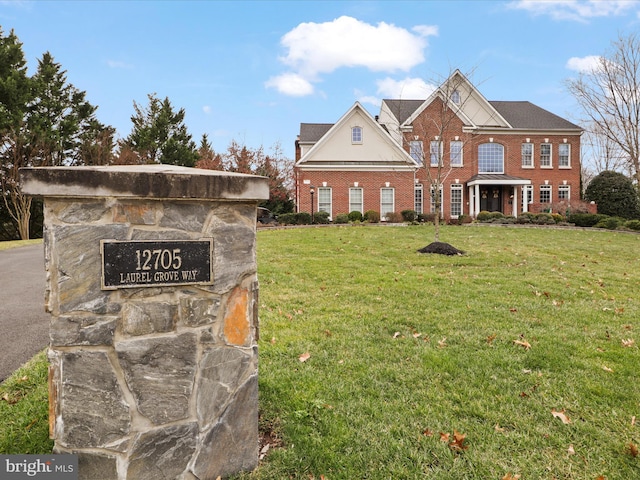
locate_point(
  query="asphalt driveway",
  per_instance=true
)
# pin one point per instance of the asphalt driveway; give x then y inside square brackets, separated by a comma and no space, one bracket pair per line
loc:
[24,325]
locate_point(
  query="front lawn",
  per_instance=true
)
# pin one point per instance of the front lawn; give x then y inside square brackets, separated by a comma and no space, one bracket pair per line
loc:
[524,347]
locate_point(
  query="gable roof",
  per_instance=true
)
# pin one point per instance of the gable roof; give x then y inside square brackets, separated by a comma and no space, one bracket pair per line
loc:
[331,145]
[526,115]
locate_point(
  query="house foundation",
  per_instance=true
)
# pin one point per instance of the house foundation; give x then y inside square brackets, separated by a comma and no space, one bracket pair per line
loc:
[152,288]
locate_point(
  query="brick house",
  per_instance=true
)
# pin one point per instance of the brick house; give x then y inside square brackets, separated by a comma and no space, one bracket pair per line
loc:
[506,156]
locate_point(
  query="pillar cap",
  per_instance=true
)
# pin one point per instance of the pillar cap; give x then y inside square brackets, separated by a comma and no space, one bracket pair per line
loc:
[143,181]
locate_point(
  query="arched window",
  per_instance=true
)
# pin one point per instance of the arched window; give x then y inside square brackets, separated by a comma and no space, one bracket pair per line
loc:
[490,158]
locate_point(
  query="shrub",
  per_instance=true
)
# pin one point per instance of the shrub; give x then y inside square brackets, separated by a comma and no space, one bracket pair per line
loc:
[633,225]
[544,219]
[462,219]
[303,218]
[484,216]
[427,217]
[526,217]
[371,216]
[341,218]
[355,216]
[615,194]
[287,219]
[610,223]
[408,215]
[494,215]
[557,217]
[321,218]
[586,219]
[395,217]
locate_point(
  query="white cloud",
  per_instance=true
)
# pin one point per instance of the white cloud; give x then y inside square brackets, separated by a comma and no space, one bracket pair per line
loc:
[576,10]
[407,89]
[207,109]
[314,49]
[371,100]
[118,64]
[585,64]
[290,84]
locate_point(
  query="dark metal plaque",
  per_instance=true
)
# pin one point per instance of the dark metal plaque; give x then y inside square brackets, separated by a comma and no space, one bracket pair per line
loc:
[132,264]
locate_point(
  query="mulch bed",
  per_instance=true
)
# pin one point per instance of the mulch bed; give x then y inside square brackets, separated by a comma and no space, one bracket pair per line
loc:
[441,248]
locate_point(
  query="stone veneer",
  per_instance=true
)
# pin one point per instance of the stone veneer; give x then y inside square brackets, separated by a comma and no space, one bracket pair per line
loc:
[161,381]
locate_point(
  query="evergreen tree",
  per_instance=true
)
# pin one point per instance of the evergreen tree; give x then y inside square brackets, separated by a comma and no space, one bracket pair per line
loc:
[615,195]
[14,83]
[207,158]
[159,134]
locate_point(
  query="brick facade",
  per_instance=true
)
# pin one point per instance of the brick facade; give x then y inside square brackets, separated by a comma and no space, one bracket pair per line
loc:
[498,185]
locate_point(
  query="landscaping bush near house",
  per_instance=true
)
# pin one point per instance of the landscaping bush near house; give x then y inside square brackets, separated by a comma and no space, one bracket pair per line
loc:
[633,225]
[585,219]
[544,218]
[341,218]
[557,217]
[465,219]
[525,218]
[610,223]
[321,218]
[427,217]
[300,218]
[484,216]
[395,217]
[409,215]
[371,216]
[355,216]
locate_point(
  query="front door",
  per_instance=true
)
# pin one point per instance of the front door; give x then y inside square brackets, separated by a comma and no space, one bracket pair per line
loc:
[490,198]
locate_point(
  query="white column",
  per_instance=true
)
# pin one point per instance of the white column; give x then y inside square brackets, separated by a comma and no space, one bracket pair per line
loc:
[515,201]
[476,206]
[525,201]
[471,200]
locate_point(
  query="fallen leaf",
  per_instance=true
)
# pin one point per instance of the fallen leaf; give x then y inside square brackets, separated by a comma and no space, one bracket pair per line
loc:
[427,432]
[263,451]
[273,340]
[304,357]
[561,415]
[633,421]
[510,476]
[458,442]
[490,339]
[629,342]
[396,335]
[498,428]
[601,477]
[444,437]
[633,450]
[523,343]
[442,343]
[570,450]
[417,335]
[513,310]
[607,369]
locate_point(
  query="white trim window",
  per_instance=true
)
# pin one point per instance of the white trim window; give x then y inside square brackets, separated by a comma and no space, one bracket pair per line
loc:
[432,199]
[456,200]
[527,194]
[527,155]
[564,155]
[356,200]
[418,198]
[545,155]
[416,152]
[490,158]
[455,97]
[455,153]
[564,193]
[325,200]
[435,152]
[545,193]
[356,135]
[387,202]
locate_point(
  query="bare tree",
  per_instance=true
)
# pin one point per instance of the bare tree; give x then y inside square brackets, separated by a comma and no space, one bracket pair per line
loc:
[439,138]
[609,95]
[16,151]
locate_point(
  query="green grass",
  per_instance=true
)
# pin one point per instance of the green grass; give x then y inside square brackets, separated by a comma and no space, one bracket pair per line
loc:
[24,410]
[360,406]
[404,346]
[18,243]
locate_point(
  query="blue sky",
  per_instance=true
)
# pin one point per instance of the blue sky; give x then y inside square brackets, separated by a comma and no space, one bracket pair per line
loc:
[252,71]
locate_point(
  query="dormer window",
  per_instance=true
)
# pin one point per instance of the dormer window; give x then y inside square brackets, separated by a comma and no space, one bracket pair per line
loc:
[455,97]
[356,134]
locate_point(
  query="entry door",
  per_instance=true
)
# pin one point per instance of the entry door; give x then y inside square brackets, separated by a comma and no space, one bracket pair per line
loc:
[491,199]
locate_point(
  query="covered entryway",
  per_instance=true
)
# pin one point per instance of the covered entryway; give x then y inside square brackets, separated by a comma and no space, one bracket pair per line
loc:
[487,193]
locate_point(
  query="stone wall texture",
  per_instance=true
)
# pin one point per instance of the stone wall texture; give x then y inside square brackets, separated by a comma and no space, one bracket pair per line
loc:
[153,382]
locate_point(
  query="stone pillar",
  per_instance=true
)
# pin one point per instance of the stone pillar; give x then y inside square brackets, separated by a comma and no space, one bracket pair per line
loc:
[152,287]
